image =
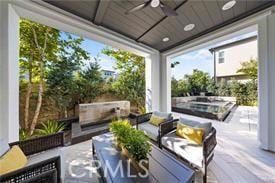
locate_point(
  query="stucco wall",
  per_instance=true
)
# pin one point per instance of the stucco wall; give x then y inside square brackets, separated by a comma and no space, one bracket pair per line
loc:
[233,56]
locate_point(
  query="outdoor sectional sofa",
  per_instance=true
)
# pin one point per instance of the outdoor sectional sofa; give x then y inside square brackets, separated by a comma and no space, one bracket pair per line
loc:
[155,132]
[197,156]
[44,160]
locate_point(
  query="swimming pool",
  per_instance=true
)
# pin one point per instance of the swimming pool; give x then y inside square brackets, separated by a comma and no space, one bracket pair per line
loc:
[214,109]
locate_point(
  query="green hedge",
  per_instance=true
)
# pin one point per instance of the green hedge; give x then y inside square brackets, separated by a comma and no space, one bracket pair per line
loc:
[245,93]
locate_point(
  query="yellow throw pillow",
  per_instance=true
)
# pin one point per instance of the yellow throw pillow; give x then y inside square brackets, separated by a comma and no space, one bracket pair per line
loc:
[155,120]
[13,160]
[191,133]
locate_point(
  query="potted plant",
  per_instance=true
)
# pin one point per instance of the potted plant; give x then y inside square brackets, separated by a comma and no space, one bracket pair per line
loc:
[120,129]
[133,143]
[137,148]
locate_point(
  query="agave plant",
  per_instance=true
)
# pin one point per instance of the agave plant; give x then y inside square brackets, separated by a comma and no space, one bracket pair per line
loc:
[50,127]
[141,110]
[24,134]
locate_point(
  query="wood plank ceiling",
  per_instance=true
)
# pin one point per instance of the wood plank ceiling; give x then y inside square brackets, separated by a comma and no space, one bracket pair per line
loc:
[150,25]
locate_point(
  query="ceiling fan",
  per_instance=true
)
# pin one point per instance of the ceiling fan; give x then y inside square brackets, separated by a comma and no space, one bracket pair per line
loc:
[154,4]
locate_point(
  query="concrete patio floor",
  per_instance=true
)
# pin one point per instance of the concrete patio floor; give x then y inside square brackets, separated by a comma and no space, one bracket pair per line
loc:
[238,157]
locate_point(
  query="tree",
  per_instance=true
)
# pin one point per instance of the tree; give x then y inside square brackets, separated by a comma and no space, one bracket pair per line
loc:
[45,39]
[250,68]
[89,82]
[61,79]
[179,88]
[38,47]
[130,83]
[174,64]
[28,57]
[198,81]
[174,87]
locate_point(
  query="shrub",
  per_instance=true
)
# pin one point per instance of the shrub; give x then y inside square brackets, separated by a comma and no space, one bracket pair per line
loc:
[24,134]
[120,128]
[223,88]
[198,81]
[50,127]
[245,93]
[193,84]
[137,145]
[131,139]
[141,110]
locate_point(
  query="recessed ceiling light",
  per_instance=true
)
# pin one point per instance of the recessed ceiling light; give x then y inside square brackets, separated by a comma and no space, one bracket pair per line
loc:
[165,39]
[228,5]
[155,3]
[189,27]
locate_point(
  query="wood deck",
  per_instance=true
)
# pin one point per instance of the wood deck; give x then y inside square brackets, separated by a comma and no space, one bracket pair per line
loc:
[238,157]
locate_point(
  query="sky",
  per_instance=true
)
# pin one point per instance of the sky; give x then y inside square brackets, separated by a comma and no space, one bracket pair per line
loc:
[94,49]
[200,59]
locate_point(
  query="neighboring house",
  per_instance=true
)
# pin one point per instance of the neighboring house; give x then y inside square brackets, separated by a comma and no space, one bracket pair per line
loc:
[106,74]
[228,59]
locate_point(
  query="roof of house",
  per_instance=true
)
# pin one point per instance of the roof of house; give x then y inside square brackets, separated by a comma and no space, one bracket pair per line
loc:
[104,70]
[242,41]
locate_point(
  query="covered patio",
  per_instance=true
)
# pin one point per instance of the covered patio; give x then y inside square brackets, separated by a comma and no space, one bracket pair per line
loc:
[237,158]
[240,156]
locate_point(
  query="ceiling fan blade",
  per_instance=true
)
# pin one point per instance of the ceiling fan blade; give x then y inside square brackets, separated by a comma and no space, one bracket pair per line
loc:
[139,7]
[167,10]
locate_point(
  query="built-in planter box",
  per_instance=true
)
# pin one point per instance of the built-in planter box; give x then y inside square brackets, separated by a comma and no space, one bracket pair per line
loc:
[103,111]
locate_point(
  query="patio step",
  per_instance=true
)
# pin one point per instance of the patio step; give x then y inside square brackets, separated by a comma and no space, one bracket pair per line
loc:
[82,134]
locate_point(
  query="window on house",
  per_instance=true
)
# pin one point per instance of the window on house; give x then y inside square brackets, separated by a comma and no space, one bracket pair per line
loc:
[221,57]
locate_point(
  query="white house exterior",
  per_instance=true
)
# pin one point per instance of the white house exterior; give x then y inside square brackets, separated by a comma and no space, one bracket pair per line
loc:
[106,74]
[228,59]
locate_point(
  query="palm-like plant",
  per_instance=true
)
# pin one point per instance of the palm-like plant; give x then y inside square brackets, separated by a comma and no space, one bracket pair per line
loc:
[50,127]
[24,134]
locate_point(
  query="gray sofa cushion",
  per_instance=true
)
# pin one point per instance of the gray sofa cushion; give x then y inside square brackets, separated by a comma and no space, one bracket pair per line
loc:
[207,126]
[4,147]
[150,130]
[184,148]
[165,115]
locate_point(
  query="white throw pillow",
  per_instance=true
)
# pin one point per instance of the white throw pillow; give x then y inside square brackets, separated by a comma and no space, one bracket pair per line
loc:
[4,147]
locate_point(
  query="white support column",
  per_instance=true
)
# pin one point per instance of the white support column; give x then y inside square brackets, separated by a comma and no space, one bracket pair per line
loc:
[165,84]
[9,72]
[266,48]
[152,78]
